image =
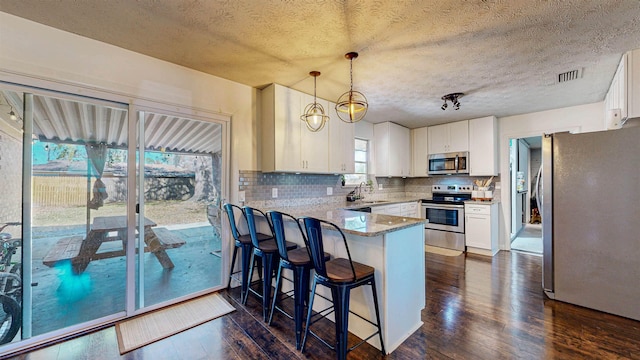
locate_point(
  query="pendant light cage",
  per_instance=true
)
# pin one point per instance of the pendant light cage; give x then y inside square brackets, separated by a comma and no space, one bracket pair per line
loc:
[351,106]
[314,115]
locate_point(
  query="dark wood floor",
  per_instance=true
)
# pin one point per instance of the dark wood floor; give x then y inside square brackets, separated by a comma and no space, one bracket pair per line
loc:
[477,308]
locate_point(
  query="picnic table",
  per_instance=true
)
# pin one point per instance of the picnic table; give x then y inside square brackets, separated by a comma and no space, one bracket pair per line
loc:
[81,251]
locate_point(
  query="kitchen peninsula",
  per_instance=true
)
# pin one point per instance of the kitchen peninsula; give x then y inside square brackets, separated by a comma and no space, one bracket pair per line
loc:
[394,246]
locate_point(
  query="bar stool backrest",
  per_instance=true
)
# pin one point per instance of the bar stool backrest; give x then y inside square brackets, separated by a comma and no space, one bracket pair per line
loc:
[228,208]
[276,218]
[251,224]
[316,247]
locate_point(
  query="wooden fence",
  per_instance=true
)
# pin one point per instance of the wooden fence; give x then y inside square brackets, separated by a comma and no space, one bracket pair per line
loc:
[64,190]
[60,190]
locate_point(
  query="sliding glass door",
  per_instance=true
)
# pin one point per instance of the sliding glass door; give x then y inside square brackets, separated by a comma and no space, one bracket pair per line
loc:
[182,164]
[68,165]
[105,212]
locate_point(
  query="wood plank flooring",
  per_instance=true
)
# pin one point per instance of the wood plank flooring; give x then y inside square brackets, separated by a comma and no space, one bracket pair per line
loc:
[477,308]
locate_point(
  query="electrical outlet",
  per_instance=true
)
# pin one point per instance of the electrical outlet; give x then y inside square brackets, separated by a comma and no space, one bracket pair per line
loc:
[329,190]
[274,192]
[241,196]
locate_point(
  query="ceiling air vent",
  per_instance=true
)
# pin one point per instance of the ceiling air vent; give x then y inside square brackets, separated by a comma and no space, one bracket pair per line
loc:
[569,75]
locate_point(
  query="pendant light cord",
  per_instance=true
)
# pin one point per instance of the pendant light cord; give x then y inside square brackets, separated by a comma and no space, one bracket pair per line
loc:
[351,73]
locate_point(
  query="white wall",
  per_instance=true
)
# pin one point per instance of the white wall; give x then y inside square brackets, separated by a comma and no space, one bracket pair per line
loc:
[582,118]
[41,52]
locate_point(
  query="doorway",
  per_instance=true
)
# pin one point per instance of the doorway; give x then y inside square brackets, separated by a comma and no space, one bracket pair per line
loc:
[525,161]
[114,209]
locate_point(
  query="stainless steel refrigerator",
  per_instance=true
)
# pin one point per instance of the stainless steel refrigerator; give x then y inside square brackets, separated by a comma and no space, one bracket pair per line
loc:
[591,219]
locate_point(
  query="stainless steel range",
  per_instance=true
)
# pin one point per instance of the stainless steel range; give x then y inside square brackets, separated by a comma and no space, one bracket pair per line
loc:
[444,213]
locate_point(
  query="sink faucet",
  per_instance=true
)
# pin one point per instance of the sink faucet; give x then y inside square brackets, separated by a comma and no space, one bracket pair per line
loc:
[360,190]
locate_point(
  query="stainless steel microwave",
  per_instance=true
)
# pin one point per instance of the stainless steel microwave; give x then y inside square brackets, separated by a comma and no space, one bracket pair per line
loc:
[449,163]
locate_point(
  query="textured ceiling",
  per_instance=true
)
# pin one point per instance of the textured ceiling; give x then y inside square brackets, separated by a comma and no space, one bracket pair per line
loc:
[505,55]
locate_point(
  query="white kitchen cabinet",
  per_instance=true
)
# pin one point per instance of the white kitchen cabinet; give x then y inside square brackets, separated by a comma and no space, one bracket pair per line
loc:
[420,152]
[483,146]
[410,209]
[481,228]
[287,144]
[451,137]
[622,101]
[281,125]
[314,147]
[341,143]
[392,149]
[392,209]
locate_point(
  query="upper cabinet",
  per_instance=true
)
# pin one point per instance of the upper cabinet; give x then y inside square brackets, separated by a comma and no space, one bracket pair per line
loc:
[451,137]
[392,149]
[483,146]
[314,146]
[622,101]
[341,144]
[420,152]
[287,144]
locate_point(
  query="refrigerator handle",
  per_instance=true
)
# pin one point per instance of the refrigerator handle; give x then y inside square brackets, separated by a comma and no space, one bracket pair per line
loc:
[547,217]
[537,190]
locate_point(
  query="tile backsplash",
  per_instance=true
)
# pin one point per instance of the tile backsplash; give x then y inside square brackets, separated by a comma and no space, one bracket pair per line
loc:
[308,189]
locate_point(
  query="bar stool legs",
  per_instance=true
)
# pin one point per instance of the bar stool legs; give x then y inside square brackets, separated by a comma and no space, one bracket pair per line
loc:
[268,266]
[301,275]
[341,295]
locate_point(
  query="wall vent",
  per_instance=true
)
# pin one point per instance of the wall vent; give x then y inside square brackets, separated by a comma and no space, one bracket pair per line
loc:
[569,75]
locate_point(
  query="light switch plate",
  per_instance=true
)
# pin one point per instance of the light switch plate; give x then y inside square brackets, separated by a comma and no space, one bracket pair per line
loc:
[379,186]
[274,192]
[241,196]
[329,190]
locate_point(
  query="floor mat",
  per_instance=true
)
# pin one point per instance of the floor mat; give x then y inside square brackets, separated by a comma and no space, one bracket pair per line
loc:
[157,325]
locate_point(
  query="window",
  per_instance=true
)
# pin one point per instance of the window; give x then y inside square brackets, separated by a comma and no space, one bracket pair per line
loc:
[361,163]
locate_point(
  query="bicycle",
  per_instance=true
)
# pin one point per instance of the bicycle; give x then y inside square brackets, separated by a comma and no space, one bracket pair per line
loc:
[10,286]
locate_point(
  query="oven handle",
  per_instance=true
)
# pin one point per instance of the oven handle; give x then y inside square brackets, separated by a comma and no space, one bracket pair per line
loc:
[441,206]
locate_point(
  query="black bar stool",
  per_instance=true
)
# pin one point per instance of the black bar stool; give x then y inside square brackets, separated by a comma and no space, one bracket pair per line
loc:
[244,243]
[268,251]
[297,260]
[340,275]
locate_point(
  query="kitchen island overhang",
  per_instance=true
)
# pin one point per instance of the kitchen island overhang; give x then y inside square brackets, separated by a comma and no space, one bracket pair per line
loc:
[394,246]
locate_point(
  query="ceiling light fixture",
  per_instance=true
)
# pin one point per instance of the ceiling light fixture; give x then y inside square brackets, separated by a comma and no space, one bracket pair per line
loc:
[314,115]
[453,97]
[351,106]
[11,113]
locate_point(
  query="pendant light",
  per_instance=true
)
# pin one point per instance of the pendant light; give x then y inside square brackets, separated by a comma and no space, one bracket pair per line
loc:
[352,105]
[314,116]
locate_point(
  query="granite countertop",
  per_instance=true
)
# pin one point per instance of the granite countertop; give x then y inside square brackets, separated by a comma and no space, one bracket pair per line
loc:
[351,222]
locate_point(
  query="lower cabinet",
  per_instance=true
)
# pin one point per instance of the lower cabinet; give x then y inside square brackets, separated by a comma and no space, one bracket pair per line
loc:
[394,209]
[481,228]
[408,209]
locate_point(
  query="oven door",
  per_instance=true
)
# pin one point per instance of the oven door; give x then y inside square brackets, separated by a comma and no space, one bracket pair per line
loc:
[444,217]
